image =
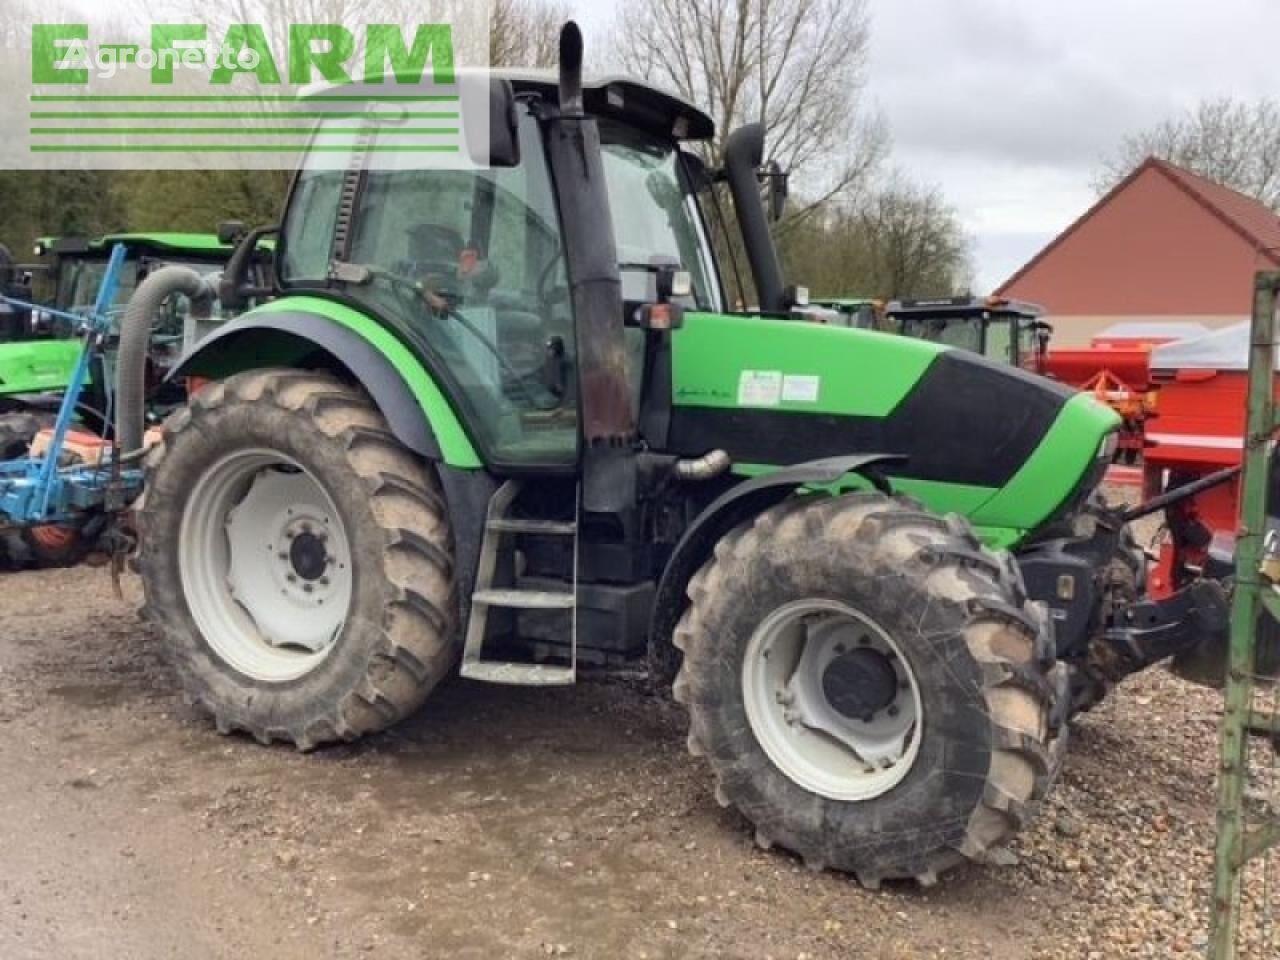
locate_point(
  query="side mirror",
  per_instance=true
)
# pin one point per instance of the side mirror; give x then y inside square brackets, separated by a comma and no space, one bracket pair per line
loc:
[499,97]
[234,289]
[779,189]
[230,232]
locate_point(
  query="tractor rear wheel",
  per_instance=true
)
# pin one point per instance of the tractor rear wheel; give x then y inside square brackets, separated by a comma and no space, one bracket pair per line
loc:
[297,559]
[870,686]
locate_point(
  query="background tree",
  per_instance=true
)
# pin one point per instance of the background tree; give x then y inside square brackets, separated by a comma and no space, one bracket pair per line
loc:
[1233,143]
[526,33]
[901,240]
[797,66]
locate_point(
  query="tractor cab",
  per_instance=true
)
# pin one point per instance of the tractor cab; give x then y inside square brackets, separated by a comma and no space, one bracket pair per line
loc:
[1007,331]
[473,268]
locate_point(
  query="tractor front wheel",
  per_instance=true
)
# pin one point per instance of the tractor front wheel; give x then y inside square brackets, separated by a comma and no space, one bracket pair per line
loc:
[870,686]
[297,559]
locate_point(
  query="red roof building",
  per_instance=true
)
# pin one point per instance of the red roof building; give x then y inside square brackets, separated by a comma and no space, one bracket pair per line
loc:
[1163,245]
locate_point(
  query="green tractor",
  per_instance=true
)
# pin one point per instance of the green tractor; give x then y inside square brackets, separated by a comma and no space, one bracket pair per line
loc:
[503,417]
[1010,331]
[37,358]
[39,351]
[859,312]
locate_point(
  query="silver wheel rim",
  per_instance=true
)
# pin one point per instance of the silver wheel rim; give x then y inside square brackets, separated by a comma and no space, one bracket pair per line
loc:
[819,747]
[265,565]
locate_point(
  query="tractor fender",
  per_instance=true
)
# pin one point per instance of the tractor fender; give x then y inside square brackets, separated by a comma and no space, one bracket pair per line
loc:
[735,505]
[305,334]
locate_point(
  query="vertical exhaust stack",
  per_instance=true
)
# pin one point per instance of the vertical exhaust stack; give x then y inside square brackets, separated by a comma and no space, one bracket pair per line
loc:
[595,288]
[571,71]
[743,155]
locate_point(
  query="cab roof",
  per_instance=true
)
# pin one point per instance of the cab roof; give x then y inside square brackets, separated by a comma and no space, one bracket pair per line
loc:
[635,102]
[638,103]
[963,306]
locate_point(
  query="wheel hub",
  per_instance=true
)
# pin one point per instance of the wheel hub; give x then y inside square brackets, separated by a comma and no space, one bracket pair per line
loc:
[831,699]
[308,555]
[859,683]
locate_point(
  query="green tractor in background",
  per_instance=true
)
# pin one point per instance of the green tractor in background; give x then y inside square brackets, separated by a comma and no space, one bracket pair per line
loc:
[1009,331]
[503,416]
[857,312]
[38,353]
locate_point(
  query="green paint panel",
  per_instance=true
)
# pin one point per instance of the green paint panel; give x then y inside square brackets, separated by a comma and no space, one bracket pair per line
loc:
[455,445]
[1050,475]
[37,366]
[1003,518]
[861,373]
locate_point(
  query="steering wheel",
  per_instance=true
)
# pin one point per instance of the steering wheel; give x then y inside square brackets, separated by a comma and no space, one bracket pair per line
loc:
[522,381]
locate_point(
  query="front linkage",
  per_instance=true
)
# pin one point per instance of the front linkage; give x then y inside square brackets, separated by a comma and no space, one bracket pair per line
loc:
[1093,577]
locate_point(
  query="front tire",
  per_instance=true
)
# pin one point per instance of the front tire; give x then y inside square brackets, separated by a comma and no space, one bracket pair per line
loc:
[297,559]
[912,716]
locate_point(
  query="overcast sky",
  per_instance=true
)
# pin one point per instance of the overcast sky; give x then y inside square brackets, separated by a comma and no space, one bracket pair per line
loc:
[1008,105]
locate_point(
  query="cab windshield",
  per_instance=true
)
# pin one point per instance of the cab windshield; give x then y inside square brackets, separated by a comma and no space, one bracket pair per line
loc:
[471,261]
[962,332]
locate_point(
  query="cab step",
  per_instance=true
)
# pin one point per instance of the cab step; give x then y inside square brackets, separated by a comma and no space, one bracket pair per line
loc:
[521,674]
[549,528]
[524,599]
[498,527]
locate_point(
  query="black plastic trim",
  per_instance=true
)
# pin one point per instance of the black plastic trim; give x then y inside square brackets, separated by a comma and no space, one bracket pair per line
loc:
[968,420]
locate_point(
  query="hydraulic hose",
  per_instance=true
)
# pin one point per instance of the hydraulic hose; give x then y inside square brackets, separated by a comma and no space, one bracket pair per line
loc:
[135,338]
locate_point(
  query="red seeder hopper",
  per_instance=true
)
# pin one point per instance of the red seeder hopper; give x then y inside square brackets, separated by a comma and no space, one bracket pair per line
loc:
[1115,369]
[1201,385]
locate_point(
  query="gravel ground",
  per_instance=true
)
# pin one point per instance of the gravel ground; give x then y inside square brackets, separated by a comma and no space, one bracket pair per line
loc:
[523,823]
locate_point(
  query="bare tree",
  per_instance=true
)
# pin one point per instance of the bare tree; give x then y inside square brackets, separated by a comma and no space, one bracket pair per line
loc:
[917,245]
[525,33]
[795,65]
[1233,143]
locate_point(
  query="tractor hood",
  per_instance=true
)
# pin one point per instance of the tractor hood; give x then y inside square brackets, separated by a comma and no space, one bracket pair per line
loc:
[1009,449]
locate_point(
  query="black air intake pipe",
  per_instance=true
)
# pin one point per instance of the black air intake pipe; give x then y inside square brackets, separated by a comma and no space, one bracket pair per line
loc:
[743,156]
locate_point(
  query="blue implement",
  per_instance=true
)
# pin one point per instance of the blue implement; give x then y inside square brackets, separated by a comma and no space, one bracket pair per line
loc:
[39,490]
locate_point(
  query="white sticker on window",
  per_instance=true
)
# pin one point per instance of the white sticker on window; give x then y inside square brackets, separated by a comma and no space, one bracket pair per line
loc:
[759,388]
[800,389]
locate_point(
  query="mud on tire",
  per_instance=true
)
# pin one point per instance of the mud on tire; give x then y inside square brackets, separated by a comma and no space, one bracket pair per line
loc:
[398,639]
[992,733]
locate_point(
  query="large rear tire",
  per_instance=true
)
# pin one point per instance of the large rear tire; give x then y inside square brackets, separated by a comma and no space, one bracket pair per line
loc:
[297,559]
[870,686]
